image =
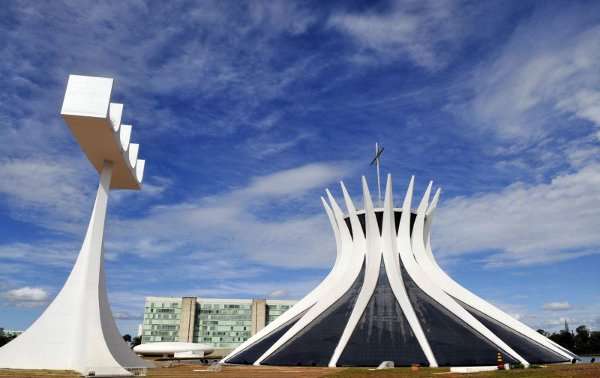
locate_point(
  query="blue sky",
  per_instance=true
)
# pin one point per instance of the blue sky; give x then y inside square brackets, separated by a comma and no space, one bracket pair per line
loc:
[246,112]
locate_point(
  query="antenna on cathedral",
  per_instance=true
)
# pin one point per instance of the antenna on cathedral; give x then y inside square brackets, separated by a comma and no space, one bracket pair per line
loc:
[378,152]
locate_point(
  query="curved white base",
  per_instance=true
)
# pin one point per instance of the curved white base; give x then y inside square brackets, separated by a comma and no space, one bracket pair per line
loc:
[77,331]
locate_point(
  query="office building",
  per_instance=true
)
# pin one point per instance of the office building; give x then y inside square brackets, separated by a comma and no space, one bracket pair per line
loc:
[223,323]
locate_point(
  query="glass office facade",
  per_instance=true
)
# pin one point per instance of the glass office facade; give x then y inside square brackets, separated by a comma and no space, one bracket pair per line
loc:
[222,323]
[161,319]
[274,310]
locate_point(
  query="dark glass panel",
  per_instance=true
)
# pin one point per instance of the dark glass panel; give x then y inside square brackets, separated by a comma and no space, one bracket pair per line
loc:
[453,342]
[529,349]
[379,215]
[251,354]
[314,345]
[383,333]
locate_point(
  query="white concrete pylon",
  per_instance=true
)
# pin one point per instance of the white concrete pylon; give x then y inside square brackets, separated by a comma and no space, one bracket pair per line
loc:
[77,331]
[394,273]
[373,263]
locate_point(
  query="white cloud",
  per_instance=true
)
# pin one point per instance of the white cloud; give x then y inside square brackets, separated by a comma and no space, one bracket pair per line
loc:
[46,193]
[262,222]
[279,293]
[27,296]
[295,181]
[285,16]
[557,306]
[123,315]
[413,30]
[525,224]
[546,70]
[264,146]
[546,317]
[44,252]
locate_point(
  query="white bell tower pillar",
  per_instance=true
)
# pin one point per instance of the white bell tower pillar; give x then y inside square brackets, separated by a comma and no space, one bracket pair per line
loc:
[77,330]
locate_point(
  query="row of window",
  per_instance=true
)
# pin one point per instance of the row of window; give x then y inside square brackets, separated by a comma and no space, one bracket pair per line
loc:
[163,305]
[223,325]
[162,310]
[162,316]
[209,306]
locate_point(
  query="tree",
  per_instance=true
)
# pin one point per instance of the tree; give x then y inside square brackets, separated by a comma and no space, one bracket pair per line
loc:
[127,338]
[136,341]
[4,339]
[564,338]
[582,340]
[594,342]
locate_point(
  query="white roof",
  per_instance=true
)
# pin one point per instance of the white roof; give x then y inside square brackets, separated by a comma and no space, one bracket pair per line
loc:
[172,347]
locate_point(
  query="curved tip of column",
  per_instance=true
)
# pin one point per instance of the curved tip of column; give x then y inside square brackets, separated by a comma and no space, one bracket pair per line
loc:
[343,186]
[434,201]
[334,205]
[325,205]
[367,200]
[349,204]
[331,199]
[409,193]
[423,205]
[388,227]
[329,212]
[388,191]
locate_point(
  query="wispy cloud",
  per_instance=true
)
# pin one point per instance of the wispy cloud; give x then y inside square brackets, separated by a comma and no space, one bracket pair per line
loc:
[48,193]
[26,296]
[230,224]
[279,293]
[540,79]
[525,224]
[557,306]
[422,32]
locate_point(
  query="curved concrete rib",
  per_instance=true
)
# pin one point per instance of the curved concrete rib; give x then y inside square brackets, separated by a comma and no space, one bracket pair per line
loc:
[378,246]
[426,260]
[373,264]
[341,239]
[423,281]
[350,267]
[394,273]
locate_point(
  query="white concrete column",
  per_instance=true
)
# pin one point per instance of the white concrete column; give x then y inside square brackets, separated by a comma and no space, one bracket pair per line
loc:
[77,330]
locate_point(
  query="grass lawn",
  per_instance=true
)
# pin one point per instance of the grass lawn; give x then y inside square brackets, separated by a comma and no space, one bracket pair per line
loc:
[188,371]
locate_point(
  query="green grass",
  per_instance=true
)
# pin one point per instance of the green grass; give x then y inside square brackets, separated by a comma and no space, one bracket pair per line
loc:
[558,371]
